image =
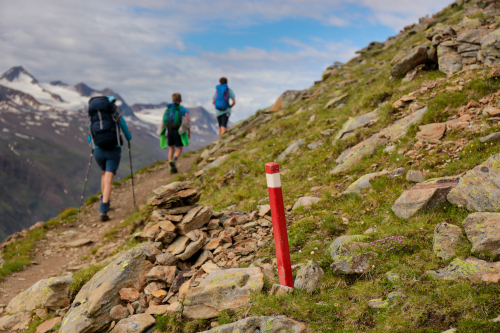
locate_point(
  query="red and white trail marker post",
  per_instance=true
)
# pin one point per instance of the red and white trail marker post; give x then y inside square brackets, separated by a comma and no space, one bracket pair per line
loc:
[279,224]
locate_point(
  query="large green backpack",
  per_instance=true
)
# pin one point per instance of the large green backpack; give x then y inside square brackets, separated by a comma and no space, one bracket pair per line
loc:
[173,117]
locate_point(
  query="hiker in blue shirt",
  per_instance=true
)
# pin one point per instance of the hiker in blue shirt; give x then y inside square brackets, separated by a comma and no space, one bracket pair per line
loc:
[175,120]
[222,106]
[108,154]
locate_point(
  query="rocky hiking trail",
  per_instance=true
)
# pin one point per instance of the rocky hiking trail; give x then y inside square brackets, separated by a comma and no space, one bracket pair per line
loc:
[63,248]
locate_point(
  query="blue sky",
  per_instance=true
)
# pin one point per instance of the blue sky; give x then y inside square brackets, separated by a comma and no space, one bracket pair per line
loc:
[149,49]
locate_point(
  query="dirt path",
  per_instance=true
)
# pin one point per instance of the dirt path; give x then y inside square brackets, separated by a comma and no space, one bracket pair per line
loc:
[55,257]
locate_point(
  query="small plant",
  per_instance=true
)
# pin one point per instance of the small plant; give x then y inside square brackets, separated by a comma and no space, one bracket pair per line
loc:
[90,200]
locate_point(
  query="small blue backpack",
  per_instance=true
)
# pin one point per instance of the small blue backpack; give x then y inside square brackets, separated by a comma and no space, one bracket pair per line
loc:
[222,97]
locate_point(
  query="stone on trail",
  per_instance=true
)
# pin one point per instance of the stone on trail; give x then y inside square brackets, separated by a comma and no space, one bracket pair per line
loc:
[224,289]
[119,312]
[363,182]
[479,188]
[166,259]
[291,149]
[217,163]
[170,189]
[416,176]
[134,324]
[193,221]
[162,273]
[309,277]
[79,242]
[19,321]
[470,269]
[447,239]
[210,267]
[48,325]
[280,290]
[305,202]
[431,132]
[129,294]
[425,196]
[90,309]
[491,111]
[491,137]
[407,59]
[358,122]
[178,245]
[264,210]
[263,324]
[52,293]
[483,231]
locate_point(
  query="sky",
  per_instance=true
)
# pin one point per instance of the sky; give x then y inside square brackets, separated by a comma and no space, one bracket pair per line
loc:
[146,50]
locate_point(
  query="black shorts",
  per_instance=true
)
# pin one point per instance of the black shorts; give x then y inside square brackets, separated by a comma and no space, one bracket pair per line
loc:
[174,139]
[223,119]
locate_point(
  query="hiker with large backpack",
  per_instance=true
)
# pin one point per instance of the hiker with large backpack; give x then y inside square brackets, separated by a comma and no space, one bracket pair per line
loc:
[106,125]
[176,126]
[222,106]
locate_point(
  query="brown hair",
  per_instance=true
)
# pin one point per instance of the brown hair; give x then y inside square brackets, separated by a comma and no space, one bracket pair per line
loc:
[222,80]
[176,98]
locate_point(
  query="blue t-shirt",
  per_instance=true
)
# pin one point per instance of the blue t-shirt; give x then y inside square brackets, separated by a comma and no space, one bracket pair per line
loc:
[228,110]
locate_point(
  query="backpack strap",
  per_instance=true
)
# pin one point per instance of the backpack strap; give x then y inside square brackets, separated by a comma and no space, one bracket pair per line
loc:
[117,118]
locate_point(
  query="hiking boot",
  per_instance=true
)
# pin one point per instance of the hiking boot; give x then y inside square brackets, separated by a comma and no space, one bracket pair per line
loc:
[109,202]
[173,167]
[104,217]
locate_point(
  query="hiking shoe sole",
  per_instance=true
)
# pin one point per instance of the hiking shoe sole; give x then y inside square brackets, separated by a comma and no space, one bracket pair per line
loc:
[104,217]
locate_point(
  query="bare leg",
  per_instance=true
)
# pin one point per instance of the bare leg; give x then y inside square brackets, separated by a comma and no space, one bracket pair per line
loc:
[102,182]
[171,153]
[178,152]
[222,130]
[107,184]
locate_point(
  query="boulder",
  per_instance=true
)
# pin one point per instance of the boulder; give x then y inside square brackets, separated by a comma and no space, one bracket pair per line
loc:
[407,59]
[52,293]
[119,312]
[470,269]
[363,182]
[305,202]
[346,252]
[370,145]
[335,101]
[483,231]
[473,36]
[278,324]
[134,324]
[91,307]
[358,122]
[431,132]
[129,294]
[490,44]
[450,61]
[225,289]
[194,219]
[425,196]
[479,188]
[447,239]
[291,149]
[287,98]
[166,259]
[48,325]
[491,111]
[309,277]
[416,176]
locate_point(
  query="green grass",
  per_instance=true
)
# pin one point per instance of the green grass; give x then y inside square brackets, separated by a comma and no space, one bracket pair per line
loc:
[172,324]
[90,200]
[83,276]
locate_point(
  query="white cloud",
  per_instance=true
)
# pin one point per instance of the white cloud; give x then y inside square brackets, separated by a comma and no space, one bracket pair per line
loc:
[124,44]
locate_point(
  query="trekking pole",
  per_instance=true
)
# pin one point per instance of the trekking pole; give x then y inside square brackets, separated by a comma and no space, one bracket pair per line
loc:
[86,178]
[131,172]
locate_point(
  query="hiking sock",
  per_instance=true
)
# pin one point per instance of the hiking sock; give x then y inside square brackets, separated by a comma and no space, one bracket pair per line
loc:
[175,159]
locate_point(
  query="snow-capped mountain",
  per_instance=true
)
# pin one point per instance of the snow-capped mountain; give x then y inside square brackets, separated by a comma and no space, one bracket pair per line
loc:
[44,150]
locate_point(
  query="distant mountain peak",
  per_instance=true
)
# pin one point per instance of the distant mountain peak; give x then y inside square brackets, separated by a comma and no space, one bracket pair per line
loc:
[17,72]
[58,83]
[84,89]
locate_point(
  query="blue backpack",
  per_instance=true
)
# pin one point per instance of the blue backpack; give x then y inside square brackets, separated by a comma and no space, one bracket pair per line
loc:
[104,120]
[222,97]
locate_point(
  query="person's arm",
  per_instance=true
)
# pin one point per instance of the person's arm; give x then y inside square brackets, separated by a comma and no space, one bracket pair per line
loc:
[189,122]
[233,100]
[124,127]
[213,99]
[232,97]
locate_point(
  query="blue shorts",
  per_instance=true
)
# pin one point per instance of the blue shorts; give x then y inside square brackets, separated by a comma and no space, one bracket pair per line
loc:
[108,159]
